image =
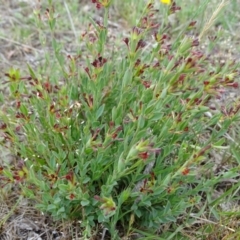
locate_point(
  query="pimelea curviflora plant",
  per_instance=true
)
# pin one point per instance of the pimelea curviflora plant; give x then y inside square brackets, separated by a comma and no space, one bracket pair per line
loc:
[124,140]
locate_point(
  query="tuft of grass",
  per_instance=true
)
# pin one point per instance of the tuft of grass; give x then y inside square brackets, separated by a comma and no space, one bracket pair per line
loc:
[208,25]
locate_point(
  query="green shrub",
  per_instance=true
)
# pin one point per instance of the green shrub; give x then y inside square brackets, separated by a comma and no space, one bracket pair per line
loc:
[124,138]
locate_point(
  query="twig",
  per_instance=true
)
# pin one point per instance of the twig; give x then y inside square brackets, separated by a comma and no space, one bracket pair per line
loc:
[104,233]
[209,221]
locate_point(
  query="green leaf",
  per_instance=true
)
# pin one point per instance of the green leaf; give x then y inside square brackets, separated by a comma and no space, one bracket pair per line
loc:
[86,180]
[85,203]
[127,78]
[8,174]
[63,187]
[75,133]
[236,154]
[57,200]
[61,210]
[141,122]
[31,71]
[156,116]
[100,111]
[74,94]
[220,144]
[24,109]
[51,207]
[138,213]
[124,196]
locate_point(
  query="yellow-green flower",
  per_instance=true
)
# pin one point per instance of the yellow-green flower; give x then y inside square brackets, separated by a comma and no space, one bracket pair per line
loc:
[166,1]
